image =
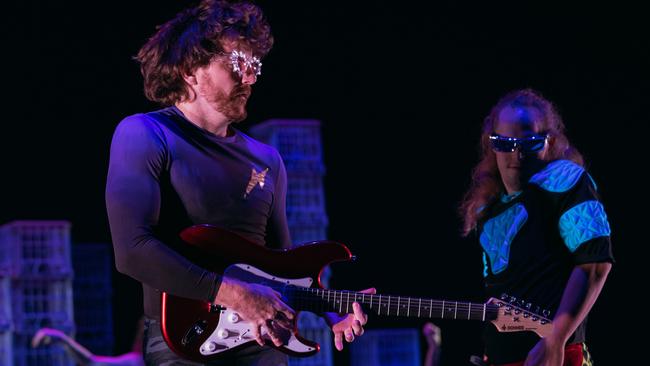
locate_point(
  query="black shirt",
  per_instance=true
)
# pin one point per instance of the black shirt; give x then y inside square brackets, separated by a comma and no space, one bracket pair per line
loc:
[531,243]
[165,174]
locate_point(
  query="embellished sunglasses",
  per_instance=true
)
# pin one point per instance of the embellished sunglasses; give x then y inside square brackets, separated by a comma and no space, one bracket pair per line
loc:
[530,144]
[241,62]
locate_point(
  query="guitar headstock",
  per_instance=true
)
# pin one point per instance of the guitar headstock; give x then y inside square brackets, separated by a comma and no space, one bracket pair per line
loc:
[514,316]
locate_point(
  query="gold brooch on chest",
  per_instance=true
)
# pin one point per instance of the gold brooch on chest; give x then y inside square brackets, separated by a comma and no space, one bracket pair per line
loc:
[256,178]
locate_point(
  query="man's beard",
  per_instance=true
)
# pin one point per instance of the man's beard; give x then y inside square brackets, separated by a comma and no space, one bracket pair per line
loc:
[233,105]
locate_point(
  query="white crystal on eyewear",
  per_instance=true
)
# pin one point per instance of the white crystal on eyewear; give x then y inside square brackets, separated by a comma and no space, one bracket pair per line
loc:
[240,61]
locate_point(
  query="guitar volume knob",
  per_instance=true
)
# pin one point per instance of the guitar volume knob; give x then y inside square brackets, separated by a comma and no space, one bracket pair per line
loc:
[211,346]
[233,318]
[223,333]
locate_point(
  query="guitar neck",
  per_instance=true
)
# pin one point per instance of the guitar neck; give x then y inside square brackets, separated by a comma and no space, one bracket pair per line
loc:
[323,300]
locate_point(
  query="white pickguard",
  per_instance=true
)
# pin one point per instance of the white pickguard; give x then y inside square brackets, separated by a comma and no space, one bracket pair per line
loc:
[232,331]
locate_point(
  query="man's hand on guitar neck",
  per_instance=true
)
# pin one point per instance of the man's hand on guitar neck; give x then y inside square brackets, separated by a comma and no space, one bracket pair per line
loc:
[259,305]
[348,325]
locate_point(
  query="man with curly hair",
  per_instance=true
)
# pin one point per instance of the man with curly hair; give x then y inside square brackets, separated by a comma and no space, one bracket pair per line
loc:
[542,228]
[186,164]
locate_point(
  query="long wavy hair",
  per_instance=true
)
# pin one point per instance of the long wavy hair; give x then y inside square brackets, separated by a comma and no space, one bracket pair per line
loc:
[486,185]
[192,38]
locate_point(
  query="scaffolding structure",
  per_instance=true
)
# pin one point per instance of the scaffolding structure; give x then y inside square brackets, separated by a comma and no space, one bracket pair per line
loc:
[36,283]
[299,145]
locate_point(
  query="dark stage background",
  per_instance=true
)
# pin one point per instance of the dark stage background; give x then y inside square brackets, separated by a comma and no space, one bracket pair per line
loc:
[401,92]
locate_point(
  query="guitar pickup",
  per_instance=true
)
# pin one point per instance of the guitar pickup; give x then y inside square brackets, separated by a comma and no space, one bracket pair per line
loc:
[197,329]
[214,308]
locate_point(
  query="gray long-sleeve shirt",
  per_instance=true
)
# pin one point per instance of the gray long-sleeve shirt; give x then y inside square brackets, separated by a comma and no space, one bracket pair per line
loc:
[165,174]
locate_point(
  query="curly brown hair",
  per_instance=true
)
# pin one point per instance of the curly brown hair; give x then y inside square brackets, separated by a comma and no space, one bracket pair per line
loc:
[486,183]
[192,38]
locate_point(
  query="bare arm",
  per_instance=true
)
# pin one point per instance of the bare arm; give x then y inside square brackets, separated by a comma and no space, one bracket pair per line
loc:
[580,294]
[432,335]
[582,290]
[79,353]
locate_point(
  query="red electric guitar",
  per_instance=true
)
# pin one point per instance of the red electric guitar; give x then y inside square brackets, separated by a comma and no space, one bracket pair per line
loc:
[200,331]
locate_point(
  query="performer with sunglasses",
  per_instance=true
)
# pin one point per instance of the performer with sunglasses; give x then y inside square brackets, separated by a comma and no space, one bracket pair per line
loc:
[543,230]
[186,164]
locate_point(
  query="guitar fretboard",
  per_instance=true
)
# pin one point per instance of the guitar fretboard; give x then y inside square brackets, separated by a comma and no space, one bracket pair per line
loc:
[322,300]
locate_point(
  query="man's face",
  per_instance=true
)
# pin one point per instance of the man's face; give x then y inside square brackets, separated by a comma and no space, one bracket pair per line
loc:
[517,166]
[225,87]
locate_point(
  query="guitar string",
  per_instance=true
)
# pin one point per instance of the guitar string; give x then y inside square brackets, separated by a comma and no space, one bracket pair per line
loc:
[308,296]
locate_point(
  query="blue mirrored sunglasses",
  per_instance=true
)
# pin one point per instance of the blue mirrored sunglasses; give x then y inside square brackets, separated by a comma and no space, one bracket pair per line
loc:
[530,144]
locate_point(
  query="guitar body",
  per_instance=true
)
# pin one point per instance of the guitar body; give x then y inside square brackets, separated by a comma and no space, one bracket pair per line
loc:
[199,331]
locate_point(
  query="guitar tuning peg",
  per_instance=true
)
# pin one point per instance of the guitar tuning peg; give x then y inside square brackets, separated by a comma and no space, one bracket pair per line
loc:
[546,313]
[513,299]
[504,296]
[522,303]
[528,306]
